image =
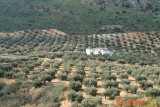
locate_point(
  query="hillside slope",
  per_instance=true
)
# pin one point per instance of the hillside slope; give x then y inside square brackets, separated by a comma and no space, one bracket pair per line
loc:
[74,17]
[124,3]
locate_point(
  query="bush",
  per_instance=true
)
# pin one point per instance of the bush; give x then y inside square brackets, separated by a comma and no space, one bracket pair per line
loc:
[109,84]
[151,92]
[121,61]
[123,76]
[2,73]
[125,81]
[140,78]
[88,102]
[8,74]
[76,77]
[133,89]
[144,85]
[6,67]
[2,84]
[46,77]
[90,82]
[108,77]
[111,93]
[126,88]
[37,83]
[91,91]
[81,72]
[93,75]
[25,70]
[73,96]
[62,76]
[51,73]
[75,104]
[20,75]
[75,85]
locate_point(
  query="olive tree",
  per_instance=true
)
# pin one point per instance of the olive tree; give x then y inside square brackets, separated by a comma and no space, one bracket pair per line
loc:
[111,93]
[90,82]
[75,85]
[91,91]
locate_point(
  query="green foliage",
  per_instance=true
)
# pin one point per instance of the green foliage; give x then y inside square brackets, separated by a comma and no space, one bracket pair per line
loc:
[37,83]
[62,76]
[90,82]
[20,75]
[121,61]
[46,77]
[152,92]
[108,77]
[55,96]
[91,91]
[2,84]
[109,84]
[76,77]
[89,102]
[123,76]
[73,96]
[2,73]
[145,85]
[26,70]
[93,75]
[75,104]
[73,24]
[133,89]
[125,81]
[140,78]
[111,93]
[75,85]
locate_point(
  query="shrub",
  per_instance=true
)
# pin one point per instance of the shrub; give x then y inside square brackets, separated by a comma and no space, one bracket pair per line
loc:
[65,71]
[20,75]
[91,91]
[88,102]
[109,84]
[2,84]
[75,104]
[93,75]
[45,77]
[144,85]
[76,77]
[123,76]
[140,78]
[108,77]
[25,70]
[8,74]
[133,89]
[51,73]
[152,92]
[2,73]
[81,72]
[37,83]
[121,61]
[6,67]
[73,96]
[62,76]
[125,81]
[126,88]
[111,93]
[75,85]
[90,82]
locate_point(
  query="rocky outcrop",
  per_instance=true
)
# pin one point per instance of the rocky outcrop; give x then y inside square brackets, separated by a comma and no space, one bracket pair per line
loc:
[123,3]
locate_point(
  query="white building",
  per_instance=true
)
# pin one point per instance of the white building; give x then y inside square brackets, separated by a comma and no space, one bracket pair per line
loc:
[96,51]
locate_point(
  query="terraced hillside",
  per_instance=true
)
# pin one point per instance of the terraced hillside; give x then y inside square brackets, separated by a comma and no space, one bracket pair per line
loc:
[73,82]
[55,41]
